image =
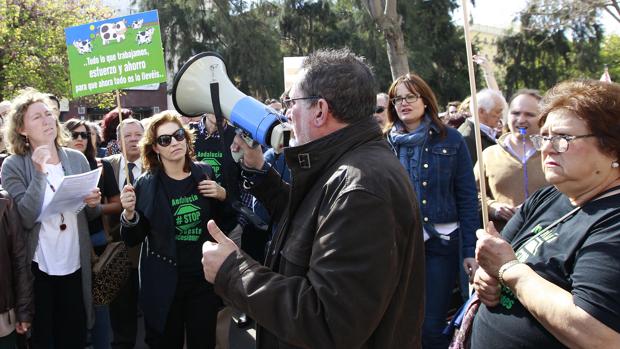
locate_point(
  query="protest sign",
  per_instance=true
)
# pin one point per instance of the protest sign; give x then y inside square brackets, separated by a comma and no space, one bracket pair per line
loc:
[115,53]
[292,68]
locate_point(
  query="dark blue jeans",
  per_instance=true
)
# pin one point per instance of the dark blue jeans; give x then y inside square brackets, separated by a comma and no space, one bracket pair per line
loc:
[442,266]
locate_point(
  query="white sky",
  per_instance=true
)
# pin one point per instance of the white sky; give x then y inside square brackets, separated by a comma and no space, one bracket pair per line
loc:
[500,13]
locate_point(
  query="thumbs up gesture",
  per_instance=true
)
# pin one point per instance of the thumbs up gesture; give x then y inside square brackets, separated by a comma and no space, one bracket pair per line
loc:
[492,251]
[215,253]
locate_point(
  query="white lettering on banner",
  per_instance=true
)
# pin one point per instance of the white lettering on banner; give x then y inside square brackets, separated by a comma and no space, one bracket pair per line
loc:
[131,66]
[98,72]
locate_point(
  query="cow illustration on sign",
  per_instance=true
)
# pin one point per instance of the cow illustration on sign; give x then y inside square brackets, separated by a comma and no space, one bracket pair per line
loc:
[83,46]
[137,24]
[113,31]
[145,37]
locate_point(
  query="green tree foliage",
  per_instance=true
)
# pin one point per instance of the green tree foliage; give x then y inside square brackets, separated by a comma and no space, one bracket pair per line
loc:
[254,36]
[239,30]
[540,58]
[436,47]
[33,51]
[610,55]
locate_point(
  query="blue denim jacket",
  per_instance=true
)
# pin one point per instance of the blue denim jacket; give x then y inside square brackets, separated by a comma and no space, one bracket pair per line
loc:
[448,187]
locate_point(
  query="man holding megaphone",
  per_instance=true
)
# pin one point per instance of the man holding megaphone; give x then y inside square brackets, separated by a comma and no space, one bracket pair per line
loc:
[346,267]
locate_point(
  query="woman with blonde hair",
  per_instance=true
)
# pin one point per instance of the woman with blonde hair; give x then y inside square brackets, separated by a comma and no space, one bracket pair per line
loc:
[167,211]
[58,245]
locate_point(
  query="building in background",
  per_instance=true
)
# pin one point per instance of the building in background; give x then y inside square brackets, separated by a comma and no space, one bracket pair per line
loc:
[485,38]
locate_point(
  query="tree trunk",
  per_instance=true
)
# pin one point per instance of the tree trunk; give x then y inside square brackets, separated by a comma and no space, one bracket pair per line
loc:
[389,22]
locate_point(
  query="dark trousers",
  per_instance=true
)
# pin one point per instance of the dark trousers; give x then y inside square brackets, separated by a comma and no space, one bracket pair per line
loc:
[192,316]
[124,314]
[59,313]
[442,267]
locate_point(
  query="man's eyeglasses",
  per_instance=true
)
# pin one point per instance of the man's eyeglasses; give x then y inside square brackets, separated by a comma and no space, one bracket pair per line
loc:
[559,143]
[165,140]
[288,103]
[379,109]
[83,135]
[410,98]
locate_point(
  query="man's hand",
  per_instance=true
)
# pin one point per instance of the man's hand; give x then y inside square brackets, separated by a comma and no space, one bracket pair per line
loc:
[22,327]
[483,62]
[128,201]
[252,156]
[487,287]
[502,211]
[214,253]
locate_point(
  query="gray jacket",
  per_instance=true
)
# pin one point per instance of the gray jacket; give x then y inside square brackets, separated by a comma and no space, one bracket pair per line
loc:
[27,187]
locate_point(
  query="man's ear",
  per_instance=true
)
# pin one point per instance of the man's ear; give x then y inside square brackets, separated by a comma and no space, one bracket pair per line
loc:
[322,113]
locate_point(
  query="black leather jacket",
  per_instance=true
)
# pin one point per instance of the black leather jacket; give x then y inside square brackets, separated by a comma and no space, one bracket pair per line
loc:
[346,267]
[15,275]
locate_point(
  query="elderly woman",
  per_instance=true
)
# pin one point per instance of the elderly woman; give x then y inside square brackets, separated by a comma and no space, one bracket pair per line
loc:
[168,210]
[440,170]
[551,279]
[58,245]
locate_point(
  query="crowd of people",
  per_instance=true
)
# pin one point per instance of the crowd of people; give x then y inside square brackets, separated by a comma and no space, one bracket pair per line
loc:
[365,233]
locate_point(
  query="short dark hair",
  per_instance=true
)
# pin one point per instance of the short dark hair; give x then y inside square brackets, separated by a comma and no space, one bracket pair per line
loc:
[344,80]
[455,104]
[593,101]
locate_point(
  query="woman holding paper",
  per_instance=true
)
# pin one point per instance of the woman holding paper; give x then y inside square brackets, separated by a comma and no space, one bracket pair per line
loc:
[59,244]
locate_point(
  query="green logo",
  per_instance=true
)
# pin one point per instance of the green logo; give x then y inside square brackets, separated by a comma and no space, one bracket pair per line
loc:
[187,218]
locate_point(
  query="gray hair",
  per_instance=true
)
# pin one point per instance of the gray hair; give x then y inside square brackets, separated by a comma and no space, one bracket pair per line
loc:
[127,122]
[486,99]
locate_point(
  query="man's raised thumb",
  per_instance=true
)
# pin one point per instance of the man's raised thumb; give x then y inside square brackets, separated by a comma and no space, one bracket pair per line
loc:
[217,234]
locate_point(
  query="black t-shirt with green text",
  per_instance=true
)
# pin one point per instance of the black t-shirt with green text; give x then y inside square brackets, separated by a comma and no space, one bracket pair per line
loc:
[190,213]
[581,255]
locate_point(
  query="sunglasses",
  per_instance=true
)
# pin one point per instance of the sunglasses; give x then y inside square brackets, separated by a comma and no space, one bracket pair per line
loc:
[379,109]
[83,135]
[165,140]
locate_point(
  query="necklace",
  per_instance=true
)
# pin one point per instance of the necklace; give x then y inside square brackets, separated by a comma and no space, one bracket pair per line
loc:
[62,225]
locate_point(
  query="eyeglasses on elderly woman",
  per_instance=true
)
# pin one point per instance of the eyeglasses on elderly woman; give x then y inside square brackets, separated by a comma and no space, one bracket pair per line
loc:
[559,143]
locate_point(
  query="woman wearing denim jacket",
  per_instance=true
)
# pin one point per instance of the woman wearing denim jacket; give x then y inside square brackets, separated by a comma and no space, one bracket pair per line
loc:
[440,169]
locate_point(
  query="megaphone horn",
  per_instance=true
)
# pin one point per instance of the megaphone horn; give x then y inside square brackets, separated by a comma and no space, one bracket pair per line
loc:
[192,96]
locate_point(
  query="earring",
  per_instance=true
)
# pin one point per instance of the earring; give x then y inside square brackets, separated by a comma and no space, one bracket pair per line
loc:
[158,159]
[615,164]
[27,141]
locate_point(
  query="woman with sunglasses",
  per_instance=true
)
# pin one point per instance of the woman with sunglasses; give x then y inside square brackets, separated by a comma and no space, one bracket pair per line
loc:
[550,280]
[167,212]
[58,246]
[440,169]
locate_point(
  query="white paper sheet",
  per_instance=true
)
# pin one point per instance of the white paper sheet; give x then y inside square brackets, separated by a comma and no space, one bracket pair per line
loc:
[69,197]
